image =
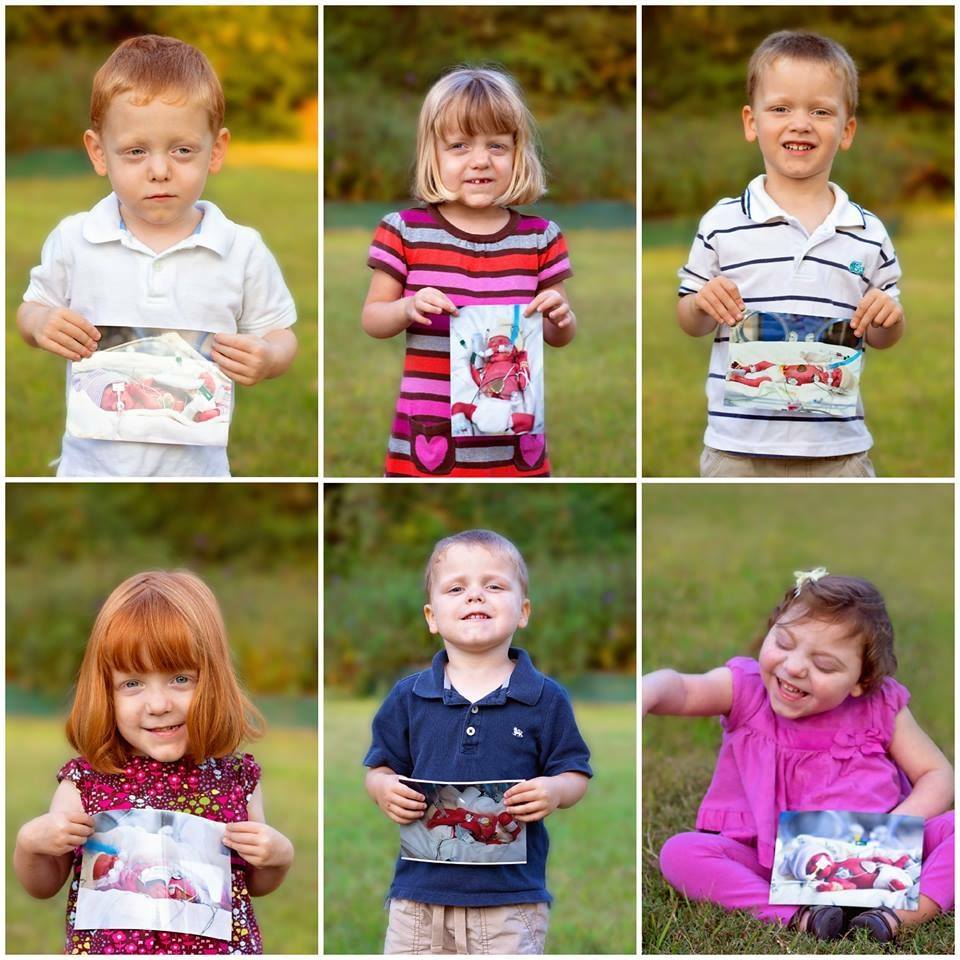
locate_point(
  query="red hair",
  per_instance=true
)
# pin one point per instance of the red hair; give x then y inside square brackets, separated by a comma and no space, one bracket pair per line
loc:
[165,621]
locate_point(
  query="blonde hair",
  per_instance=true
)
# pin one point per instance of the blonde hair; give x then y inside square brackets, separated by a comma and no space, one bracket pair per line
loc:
[489,540]
[160,620]
[798,45]
[475,100]
[151,67]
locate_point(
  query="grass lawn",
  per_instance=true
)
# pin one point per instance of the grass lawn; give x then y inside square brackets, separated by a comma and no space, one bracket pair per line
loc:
[699,614]
[590,871]
[288,917]
[274,431]
[591,383]
[909,413]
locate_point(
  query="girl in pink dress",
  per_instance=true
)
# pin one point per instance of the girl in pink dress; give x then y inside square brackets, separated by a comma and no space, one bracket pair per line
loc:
[817,722]
[157,717]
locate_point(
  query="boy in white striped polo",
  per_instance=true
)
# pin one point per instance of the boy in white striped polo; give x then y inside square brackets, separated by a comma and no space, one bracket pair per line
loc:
[792,242]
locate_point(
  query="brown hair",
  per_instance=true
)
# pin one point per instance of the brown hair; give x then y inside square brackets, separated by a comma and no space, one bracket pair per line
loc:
[160,620]
[487,539]
[151,67]
[798,45]
[851,601]
[475,100]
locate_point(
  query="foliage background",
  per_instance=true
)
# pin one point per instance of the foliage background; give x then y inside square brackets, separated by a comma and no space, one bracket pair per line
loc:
[68,546]
[266,58]
[900,167]
[714,566]
[579,545]
[577,67]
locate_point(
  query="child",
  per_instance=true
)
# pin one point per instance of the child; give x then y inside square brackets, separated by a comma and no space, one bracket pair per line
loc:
[482,712]
[792,242]
[817,722]
[157,717]
[475,155]
[152,254]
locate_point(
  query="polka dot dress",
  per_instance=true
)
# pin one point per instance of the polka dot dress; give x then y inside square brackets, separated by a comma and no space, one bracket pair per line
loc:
[218,789]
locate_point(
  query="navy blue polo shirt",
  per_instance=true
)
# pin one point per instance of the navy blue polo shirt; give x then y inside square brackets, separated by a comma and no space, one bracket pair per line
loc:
[523,730]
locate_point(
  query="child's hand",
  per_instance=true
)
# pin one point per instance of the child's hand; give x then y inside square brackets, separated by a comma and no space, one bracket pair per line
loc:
[876,309]
[259,844]
[55,834]
[402,804]
[720,299]
[554,307]
[65,333]
[533,799]
[427,300]
[243,357]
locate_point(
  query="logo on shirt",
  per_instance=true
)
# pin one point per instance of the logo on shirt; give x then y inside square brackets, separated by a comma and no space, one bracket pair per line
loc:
[856,267]
[517,732]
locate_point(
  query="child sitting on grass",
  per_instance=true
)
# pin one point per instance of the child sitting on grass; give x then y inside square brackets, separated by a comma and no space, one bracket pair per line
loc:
[152,254]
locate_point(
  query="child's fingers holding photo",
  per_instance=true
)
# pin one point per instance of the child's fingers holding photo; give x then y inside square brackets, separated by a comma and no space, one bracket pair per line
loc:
[720,299]
[55,834]
[402,804]
[244,358]
[553,305]
[428,300]
[876,309]
[531,800]
[258,843]
[66,333]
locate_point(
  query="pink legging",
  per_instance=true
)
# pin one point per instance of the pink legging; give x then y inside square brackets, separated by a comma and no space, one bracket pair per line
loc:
[707,866]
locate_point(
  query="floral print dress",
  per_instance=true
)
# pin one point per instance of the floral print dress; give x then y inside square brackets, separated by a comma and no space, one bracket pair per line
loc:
[219,789]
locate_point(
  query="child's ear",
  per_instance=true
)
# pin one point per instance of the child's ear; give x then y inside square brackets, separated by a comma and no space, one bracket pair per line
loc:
[849,129]
[749,124]
[524,613]
[95,152]
[430,618]
[219,150]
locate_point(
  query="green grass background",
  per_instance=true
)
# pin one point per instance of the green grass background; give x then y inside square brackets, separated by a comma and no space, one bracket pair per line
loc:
[36,749]
[907,390]
[591,867]
[590,383]
[274,430]
[716,560]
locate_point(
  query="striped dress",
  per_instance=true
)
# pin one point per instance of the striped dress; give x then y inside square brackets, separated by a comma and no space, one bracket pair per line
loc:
[420,248]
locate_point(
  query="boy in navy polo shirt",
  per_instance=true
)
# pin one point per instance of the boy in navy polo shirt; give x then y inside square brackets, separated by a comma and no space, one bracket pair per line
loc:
[482,712]
[791,243]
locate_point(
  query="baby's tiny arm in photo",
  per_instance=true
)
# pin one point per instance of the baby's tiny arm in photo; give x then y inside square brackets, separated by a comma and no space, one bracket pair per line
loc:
[247,359]
[267,851]
[559,320]
[537,798]
[927,769]
[879,318]
[402,804]
[386,312]
[675,694]
[57,330]
[43,855]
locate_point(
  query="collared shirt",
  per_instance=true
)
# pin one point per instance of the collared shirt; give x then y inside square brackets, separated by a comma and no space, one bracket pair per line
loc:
[780,267]
[523,730]
[221,278]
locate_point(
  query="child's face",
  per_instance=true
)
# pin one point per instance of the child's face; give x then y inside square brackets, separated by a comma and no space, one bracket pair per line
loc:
[799,119]
[151,711]
[477,169]
[809,666]
[476,599]
[157,156]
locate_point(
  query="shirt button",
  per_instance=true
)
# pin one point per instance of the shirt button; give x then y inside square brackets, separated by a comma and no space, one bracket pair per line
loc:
[158,266]
[474,709]
[471,731]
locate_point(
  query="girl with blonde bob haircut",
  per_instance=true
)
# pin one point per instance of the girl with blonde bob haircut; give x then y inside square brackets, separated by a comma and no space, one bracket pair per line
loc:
[160,621]
[157,718]
[472,101]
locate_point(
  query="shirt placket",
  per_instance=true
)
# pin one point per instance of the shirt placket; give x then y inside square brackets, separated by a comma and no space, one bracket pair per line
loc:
[470,741]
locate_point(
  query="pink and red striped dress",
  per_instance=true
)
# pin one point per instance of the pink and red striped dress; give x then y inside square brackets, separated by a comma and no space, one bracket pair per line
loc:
[420,248]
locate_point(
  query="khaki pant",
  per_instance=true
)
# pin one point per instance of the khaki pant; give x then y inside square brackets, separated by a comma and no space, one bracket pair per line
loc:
[716,463]
[518,928]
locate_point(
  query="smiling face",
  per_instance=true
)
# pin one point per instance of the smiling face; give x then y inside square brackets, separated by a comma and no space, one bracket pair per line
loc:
[157,156]
[477,169]
[809,666]
[476,599]
[151,709]
[800,119]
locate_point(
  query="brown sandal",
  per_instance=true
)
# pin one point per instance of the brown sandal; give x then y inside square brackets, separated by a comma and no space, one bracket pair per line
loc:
[824,922]
[876,922]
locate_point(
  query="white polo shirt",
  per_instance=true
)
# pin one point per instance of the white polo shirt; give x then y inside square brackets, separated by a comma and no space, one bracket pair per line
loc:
[780,268]
[221,278]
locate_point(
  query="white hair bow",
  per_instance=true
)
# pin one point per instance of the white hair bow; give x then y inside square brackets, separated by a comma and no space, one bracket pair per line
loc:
[808,576]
